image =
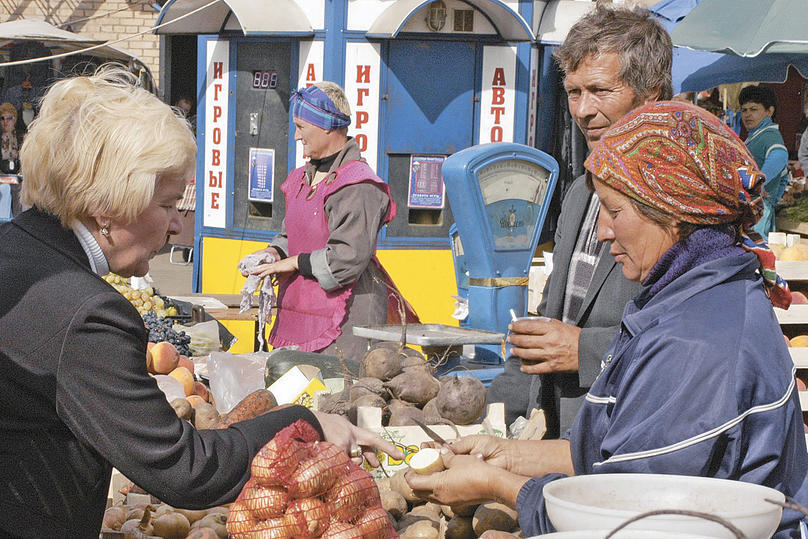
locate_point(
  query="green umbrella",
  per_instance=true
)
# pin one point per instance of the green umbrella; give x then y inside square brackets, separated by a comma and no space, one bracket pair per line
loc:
[745,27]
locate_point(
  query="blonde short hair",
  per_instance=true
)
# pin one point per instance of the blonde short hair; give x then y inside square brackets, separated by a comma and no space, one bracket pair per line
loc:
[99,146]
[336,94]
[8,108]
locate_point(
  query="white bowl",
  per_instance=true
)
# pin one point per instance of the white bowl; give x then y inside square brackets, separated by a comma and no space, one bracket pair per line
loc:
[622,534]
[605,501]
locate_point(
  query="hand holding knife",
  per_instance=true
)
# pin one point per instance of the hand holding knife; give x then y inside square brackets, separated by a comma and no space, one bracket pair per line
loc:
[432,434]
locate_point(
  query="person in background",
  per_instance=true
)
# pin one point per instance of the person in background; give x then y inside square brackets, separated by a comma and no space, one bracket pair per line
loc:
[614,59]
[758,108]
[10,140]
[105,164]
[802,150]
[698,380]
[325,255]
[186,107]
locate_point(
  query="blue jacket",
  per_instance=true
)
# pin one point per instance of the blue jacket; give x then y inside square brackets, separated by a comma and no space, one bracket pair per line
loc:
[698,382]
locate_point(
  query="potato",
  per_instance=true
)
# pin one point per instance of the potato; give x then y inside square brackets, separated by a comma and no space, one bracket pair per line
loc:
[423,529]
[400,485]
[205,416]
[417,387]
[393,502]
[460,528]
[256,403]
[182,408]
[461,400]
[427,461]
[494,516]
[429,510]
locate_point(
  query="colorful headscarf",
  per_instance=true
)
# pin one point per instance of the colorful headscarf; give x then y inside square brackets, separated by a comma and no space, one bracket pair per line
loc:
[684,161]
[312,105]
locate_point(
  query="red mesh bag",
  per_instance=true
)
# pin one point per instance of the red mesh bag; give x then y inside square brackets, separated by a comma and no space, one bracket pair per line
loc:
[301,487]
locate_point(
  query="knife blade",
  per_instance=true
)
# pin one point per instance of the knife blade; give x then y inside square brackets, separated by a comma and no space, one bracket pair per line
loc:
[431,433]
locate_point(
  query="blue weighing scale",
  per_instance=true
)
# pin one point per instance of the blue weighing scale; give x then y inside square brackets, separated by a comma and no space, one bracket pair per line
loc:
[499,194]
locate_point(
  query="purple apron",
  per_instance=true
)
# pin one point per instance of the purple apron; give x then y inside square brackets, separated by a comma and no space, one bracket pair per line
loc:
[308,316]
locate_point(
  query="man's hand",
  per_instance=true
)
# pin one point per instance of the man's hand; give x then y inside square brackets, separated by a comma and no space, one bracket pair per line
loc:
[545,346]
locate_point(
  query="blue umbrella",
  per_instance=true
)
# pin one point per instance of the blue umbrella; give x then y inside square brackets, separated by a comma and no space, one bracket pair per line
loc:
[699,70]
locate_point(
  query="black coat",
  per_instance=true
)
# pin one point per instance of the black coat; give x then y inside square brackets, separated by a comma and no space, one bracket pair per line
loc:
[76,399]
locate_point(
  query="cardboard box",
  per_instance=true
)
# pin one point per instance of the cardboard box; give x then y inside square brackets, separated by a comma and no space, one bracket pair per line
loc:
[408,439]
[298,386]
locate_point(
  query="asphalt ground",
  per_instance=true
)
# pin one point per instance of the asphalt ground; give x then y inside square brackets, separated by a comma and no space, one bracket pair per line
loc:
[171,279]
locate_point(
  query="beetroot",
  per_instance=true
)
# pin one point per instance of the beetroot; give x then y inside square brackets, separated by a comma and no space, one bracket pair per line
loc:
[382,362]
[416,386]
[461,400]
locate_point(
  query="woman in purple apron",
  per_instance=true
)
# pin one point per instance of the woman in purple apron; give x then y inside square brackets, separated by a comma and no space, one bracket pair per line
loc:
[325,256]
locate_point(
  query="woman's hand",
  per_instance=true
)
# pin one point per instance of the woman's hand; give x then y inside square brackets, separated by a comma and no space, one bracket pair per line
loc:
[271,251]
[468,479]
[353,440]
[465,480]
[531,458]
[281,268]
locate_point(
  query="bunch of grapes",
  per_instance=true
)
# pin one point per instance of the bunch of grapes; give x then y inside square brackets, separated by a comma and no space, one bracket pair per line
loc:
[161,329]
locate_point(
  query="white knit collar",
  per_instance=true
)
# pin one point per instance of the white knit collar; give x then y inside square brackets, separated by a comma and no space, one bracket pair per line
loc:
[98,261]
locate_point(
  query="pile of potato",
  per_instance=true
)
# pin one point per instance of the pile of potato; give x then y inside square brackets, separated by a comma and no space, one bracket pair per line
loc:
[415,518]
[401,382]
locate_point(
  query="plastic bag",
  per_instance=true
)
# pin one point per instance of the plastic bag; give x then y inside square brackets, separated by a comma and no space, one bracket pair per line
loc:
[204,337]
[170,386]
[234,376]
[302,487]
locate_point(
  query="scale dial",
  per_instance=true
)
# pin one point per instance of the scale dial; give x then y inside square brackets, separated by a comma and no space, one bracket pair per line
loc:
[513,192]
[513,179]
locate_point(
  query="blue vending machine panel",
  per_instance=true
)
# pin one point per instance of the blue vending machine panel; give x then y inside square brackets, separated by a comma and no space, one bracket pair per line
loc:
[499,194]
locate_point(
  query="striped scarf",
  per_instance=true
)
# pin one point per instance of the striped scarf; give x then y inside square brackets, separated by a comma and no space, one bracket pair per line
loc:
[312,105]
[683,161]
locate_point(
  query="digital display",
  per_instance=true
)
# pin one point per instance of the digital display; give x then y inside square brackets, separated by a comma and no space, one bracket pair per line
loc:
[264,80]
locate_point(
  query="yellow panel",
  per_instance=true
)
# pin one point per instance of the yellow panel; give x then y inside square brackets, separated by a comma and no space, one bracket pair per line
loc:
[244,330]
[220,256]
[424,276]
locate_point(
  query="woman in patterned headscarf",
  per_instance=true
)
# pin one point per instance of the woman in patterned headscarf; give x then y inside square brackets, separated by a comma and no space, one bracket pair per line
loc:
[698,380]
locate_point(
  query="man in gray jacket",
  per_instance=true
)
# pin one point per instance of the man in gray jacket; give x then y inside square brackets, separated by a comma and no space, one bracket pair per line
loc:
[614,60]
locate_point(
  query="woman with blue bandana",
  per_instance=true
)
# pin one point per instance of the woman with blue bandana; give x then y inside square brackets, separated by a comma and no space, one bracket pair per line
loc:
[325,256]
